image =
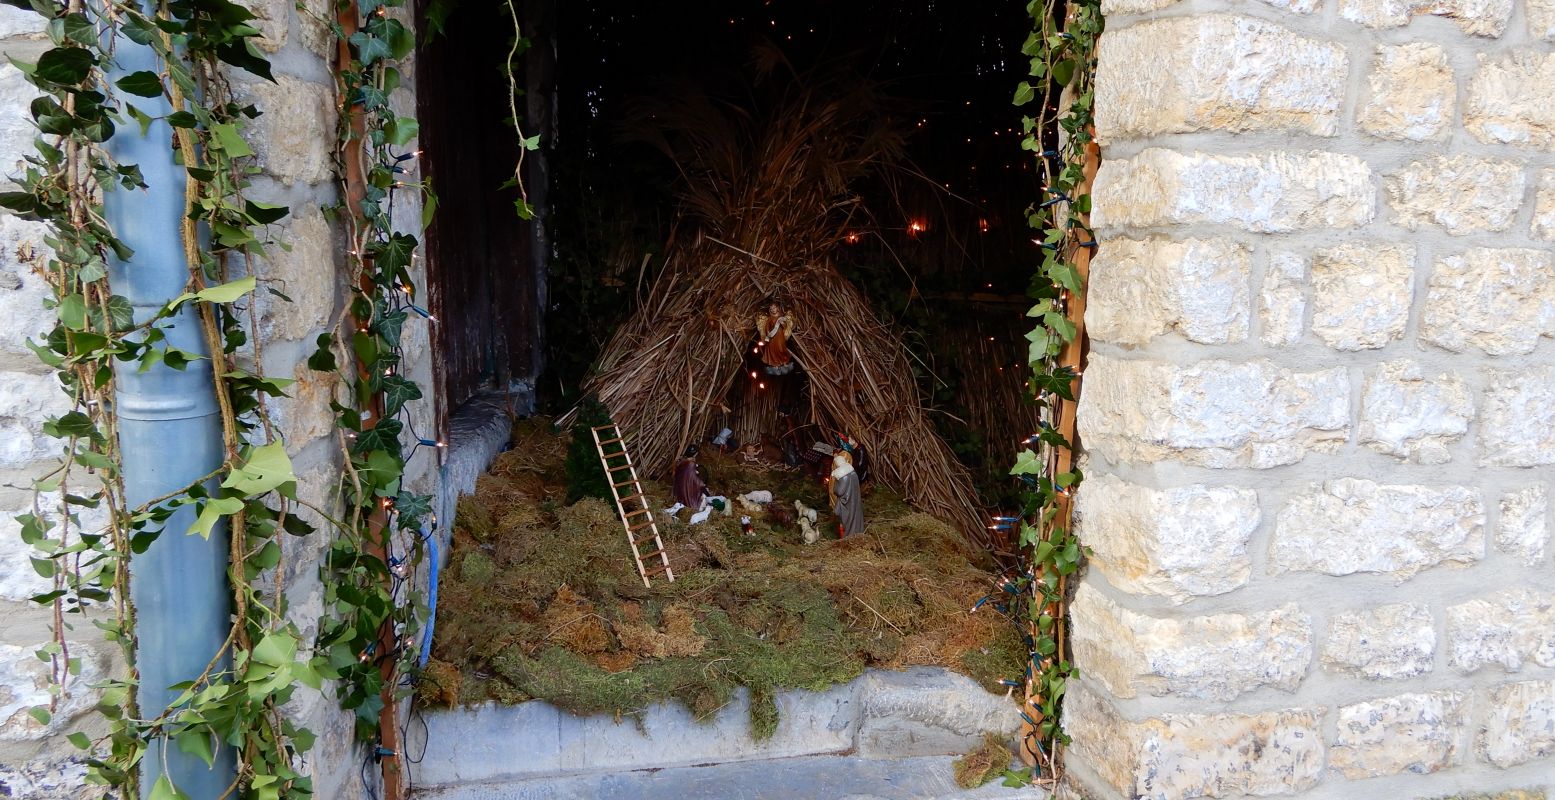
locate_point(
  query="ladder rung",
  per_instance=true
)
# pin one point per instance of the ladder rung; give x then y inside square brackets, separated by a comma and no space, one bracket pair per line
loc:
[646,556]
[651,571]
[640,527]
[622,483]
[635,512]
[618,469]
[637,496]
[612,441]
[604,427]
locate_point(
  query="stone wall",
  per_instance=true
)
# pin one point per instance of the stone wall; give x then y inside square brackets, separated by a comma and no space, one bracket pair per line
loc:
[294,144]
[1319,410]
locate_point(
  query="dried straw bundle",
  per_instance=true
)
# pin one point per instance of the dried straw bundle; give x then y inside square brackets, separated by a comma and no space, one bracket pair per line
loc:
[767,198]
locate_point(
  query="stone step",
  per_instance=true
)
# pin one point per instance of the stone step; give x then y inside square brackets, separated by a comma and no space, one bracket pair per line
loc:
[880,715]
[803,778]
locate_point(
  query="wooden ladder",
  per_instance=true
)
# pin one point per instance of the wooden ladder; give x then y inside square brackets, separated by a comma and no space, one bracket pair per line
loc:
[628,491]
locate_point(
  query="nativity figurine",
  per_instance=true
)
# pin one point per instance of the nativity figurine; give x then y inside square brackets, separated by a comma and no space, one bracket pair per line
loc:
[847,501]
[774,328]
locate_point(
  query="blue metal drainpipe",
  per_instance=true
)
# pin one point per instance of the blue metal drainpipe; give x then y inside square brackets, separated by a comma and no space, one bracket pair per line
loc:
[170,436]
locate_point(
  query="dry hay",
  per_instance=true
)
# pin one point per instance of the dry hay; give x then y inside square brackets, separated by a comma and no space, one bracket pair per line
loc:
[768,194]
[983,764]
[558,612]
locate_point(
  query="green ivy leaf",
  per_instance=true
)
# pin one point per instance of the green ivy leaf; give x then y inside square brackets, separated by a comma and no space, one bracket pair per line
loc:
[1026,463]
[141,84]
[197,743]
[72,312]
[266,468]
[1024,93]
[212,512]
[401,130]
[370,48]
[65,66]
[230,141]
[397,391]
[163,790]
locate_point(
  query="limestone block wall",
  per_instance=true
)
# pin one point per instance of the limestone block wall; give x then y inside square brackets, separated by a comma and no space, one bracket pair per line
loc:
[1319,410]
[294,143]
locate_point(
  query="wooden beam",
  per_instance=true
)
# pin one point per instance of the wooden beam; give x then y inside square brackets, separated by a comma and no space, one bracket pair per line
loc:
[355,178]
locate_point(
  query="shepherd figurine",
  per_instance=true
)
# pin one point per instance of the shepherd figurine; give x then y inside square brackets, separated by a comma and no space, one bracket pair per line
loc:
[775,328]
[690,490]
[846,501]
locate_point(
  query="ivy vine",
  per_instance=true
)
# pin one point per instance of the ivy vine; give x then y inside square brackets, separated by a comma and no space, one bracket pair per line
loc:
[1058,134]
[372,609]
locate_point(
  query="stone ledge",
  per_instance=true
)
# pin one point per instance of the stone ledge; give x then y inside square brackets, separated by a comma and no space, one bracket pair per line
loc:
[917,712]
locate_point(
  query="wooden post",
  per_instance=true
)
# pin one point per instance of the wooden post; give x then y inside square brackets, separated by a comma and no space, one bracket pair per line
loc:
[355,179]
[1072,356]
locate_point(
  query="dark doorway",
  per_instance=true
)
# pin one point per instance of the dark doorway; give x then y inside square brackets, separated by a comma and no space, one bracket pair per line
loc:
[485,266]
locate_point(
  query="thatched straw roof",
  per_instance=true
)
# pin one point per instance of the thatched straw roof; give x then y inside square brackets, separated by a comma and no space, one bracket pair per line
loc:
[767,197]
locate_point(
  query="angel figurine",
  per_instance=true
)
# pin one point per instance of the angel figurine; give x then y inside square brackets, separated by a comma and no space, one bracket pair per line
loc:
[775,328]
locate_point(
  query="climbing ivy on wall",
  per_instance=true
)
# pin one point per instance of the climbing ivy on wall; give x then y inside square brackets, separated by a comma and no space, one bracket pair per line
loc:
[1062,49]
[366,638]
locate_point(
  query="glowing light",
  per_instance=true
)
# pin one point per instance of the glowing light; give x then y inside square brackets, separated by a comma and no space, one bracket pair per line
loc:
[761,385]
[852,238]
[982,225]
[916,227]
[753,376]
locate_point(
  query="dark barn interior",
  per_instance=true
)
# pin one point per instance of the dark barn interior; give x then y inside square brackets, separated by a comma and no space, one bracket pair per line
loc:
[943,255]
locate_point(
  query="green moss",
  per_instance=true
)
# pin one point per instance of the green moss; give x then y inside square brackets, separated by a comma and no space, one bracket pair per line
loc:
[477,568]
[1002,658]
[550,606]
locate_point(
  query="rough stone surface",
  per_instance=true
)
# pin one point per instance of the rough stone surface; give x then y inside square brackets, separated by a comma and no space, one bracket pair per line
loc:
[1361,294]
[1411,416]
[22,290]
[19,22]
[1419,733]
[292,138]
[1410,93]
[1508,99]
[1383,643]
[1541,19]
[1216,72]
[24,683]
[16,129]
[1112,8]
[1282,303]
[1520,725]
[1141,289]
[305,414]
[1214,413]
[1479,17]
[306,274]
[1269,193]
[1517,423]
[1351,525]
[1196,755]
[1500,300]
[48,779]
[25,400]
[1509,628]
[273,19]
[1461,194]
[1523,530]
[1216,657]
[18,580]
[1178,543]
[1544,207]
